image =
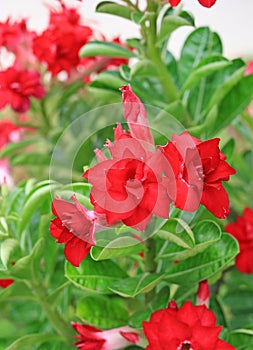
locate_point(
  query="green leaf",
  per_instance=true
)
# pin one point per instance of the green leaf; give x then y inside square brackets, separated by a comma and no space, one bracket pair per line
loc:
[17,291]
[12,147]
[235,102]
[94,276]
[27,268]
[202,266]
[121,246]
[114,9]
[28,341]
[8,249]
[202,72]
[178,232]
[144,68]
[103,312]
[109,80]
[106,49]
[35,159]
[229,148]
[35,201]
[131,287]
[200,43]
[205,232]
[169,24]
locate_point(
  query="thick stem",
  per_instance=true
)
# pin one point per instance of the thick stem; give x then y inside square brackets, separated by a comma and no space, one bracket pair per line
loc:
[150,264]
[63,329]
[154,53]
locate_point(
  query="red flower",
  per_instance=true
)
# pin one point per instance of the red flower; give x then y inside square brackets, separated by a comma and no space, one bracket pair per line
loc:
[242,230]
[190,327]
[92,338]
[62,41]
[74,226]
[199,169]
[205,3]
[203,294]
[16,86]
[4,283]
[129,186]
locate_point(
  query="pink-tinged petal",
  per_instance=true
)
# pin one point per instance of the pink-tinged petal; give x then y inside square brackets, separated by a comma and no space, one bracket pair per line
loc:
[249,68]
[215,199]
[244,261]
[207,3]
[131,337]
[100,155]
[136,116]
[76,250]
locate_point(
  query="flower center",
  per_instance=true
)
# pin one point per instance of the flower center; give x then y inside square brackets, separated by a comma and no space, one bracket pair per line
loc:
[186,345]
[15,86]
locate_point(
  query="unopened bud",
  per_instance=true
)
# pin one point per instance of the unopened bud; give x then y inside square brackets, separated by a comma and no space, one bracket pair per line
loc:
[203,294]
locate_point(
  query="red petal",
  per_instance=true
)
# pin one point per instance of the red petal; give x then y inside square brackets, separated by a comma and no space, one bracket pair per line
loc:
[207,3]
[76,250]
[174,3]
[215,199]
[244,261]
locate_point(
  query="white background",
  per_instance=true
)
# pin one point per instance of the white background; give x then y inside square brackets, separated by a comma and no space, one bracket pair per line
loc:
[232,19]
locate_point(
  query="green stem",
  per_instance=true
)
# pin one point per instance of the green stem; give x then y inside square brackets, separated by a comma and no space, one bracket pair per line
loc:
[130,4]
[63,329]
[154,53]
[45,116]
[150,264]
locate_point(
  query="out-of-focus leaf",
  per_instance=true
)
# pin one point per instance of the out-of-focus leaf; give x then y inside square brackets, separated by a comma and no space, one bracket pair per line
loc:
[28,341]
[114,9]
[107,49]
[169,24]
[8,249]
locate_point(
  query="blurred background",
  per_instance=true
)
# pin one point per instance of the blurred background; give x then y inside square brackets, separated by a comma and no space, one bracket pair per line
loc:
[232,19]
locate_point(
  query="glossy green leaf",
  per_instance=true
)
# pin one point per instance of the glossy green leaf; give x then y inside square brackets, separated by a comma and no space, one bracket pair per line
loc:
[235,102]
[144,68]
[205,234]
[110,80]
[8,249]
[27,268]
[200,43]
[169,24]
[94,276]
[114,9]
[32,159]
[202,72]
[202,266]
[121,246]
[131,287]
[178,232]
[106,49]
[12,147]
[103,312]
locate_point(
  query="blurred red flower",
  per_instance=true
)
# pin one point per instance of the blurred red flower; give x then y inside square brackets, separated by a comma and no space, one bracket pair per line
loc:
[199,169]
[4,283]
[190,327]
[92,338]
[17,85]
[205,3]
[74,226]
[62,41]
[242,230]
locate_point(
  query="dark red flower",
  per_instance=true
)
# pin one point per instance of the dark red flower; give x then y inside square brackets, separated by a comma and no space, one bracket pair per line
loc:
[92,338]
[129,187]
[73,226]
[242,230]
[190,327]
[4,283]
[17,85]
[62,41]
[199,169]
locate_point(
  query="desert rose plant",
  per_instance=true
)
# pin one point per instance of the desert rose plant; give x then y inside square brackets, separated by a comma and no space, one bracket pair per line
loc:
[125,175]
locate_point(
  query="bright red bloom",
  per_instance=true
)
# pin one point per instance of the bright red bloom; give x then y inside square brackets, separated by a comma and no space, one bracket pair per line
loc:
[129,187]
[4,283]
[205,3]
[62,41]
[242,230]
[199,169]
[16,86]
[92,338]
[187,328]
[73,226]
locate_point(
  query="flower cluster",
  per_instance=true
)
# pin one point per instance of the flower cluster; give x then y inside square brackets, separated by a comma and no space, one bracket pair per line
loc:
[242,230]
[140,180]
